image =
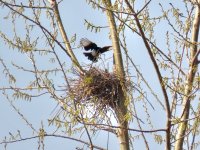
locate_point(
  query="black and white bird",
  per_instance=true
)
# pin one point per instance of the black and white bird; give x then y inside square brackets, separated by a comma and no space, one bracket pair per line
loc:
[95,50]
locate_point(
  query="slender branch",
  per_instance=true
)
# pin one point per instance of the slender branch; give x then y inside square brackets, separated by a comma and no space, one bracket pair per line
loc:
[144,138]
[69,51]
[195,57]
[130,129]
[147,84]
[31,20]
[158,49]
[193,140]
[186,120]
[168,125]
[108,8]
[51,135]
[144,7]
[172,26]
[25,6]
[19,113]
[65,38]
[87,132]
[58,59]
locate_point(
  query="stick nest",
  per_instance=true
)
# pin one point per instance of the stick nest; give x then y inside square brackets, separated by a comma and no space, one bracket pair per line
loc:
[98,87]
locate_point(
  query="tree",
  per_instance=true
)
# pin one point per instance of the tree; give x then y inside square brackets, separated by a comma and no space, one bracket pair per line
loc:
[151,92]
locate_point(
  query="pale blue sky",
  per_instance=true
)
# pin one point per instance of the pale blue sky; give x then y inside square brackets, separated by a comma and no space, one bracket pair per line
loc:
[39,110]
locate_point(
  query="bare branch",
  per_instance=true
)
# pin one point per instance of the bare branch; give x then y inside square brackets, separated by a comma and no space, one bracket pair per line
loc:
[51,135]
[167,105]
[65,38]
[25,6]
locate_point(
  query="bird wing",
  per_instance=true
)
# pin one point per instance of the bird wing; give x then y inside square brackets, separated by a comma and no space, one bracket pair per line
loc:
[87,44]
[105,49]
[90,56]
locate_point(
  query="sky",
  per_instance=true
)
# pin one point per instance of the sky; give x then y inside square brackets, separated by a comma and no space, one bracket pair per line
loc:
[40,109]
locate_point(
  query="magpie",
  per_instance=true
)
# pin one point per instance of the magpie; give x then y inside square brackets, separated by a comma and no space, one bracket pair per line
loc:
[95,50]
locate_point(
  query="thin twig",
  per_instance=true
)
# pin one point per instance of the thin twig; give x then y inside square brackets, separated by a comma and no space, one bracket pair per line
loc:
[25,6]
[51,135]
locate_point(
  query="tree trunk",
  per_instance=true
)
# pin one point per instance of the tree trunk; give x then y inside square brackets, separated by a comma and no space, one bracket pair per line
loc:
[121,109]
[189,82]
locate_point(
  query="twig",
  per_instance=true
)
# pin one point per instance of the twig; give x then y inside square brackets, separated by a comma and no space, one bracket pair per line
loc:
[143,7]
[31,20]
[51,135]
[158,49]
[130,129]
[25,6]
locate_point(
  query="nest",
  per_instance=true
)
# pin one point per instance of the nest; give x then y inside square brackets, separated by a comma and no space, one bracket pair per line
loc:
[98,87]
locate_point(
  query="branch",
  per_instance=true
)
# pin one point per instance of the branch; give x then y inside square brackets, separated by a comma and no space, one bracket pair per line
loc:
[19,113]
[172,26]
[180,121]
[195,57]
[144,7]
[65,38]
[25,6]
[51,135]
[130,129]
[158,49]
[87,132]
[31,20]
[69,51]
[168,125]
[142,77]
[108,8]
